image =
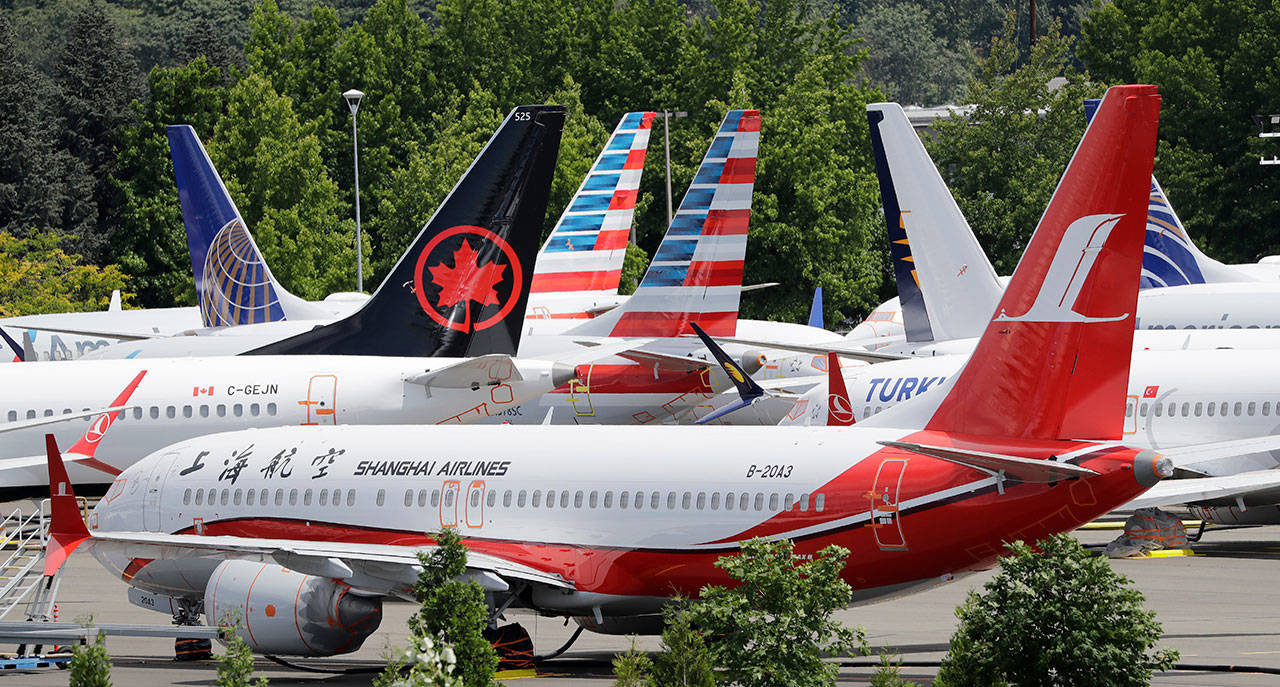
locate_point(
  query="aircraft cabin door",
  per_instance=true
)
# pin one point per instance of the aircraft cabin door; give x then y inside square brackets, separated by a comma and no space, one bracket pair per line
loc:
[449,503]
[155,486]
[475,504]
[886,521]
[1130,414]
[322,400]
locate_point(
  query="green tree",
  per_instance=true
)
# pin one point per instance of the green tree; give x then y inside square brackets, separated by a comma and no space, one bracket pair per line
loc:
[1003,161]
[1207,160]
[1057,616]
[37,276]
[453,610]
[632,668]
[235,666]
[90,663]
[905,58]
[775,627]
[684,659]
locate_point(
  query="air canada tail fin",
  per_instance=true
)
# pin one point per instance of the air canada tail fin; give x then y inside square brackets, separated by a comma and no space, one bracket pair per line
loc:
[1053,362]
[1171,257]
[946,286]
[461,288]
[696,274]
[581,261]
[234,285]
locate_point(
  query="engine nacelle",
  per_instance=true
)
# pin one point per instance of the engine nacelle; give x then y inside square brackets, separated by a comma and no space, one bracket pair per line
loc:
[650,624]
[280,611]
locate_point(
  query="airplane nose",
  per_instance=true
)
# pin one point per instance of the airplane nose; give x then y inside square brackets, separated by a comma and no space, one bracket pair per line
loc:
[1150,467]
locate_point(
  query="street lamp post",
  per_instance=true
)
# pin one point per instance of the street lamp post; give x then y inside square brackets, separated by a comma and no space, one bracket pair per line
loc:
[666,141]
[353,97]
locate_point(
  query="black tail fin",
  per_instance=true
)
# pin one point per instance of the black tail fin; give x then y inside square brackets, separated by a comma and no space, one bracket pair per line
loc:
[461,288]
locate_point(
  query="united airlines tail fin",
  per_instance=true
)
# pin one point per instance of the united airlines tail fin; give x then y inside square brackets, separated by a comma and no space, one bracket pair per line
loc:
[696,274]
[580,264]
[946,286]
[1171,258]
[234,285]
[1053,362]
[461,288]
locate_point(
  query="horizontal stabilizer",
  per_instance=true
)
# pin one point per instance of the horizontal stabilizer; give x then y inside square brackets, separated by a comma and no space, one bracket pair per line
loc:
[844,351]
[1014,467]
[470,373]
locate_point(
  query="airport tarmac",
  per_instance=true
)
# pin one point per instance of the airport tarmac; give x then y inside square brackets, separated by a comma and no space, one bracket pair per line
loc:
[1221,606]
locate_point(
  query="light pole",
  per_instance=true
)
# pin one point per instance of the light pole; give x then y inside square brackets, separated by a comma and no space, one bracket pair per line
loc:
[666,141]
[353,101]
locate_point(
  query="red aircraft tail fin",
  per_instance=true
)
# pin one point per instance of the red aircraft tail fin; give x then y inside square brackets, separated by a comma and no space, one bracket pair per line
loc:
[1053,362]
[839,409]
[67,529]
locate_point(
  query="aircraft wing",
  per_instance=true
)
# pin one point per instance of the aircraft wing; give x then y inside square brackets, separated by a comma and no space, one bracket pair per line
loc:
[840,349]
[132,335]
[52,419]
[1177,491]
[1188,457]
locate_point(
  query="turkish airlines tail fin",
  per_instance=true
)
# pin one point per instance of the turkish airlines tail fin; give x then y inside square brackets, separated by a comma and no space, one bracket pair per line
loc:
[1053,362]
[839,408]
[66,529]
[1171,258]
[946,285]
[580,264]
[461,288]
[696,274]
[234,285]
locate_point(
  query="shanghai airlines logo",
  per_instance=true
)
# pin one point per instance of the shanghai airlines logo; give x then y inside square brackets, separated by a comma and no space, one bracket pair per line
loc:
[463,266]
[1071,265]
[839,408]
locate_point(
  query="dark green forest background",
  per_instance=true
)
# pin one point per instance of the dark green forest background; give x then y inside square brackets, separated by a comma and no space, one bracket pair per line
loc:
[87,201]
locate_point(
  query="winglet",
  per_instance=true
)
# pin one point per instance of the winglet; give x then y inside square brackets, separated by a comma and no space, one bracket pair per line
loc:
[19,356]
[67,529]
[748,390]
[839,409]
[88,443]
[815,310]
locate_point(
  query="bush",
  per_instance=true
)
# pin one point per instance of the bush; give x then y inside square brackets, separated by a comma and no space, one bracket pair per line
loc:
[90,663]
[1054,617]
[235,667]
[888,675]
[426,662]
[775,627]
[632,668]
[685,659]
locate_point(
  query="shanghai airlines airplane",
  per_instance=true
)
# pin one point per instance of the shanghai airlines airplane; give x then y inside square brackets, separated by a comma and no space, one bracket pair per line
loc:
[608,537]
[435,344]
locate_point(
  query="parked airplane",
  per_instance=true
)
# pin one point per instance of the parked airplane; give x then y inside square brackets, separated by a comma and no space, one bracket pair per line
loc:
[607,537]
[445,325]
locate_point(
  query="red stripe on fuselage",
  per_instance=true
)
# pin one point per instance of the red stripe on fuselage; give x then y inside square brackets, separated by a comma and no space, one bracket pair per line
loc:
[634,378]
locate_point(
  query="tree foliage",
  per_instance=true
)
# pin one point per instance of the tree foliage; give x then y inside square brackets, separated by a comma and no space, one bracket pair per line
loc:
[235,665]
[1056,616]
[453,610]
[37,276]
[775,626]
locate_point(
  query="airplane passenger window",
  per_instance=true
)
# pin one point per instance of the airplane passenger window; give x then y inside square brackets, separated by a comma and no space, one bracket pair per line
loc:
[155,412]
[186,497]
[773,502]
[235,497]
[212,495]
[537,498]
[200,497]
[222,410]
[702,501]
[820,502]
[1211,407]
[435,498]
[1198,408]
[686,501]
[759,501]
[866,411]
[564,499]
[878,409]
[254,409]
[250,496]
[638,500]
[608,499]
[804,503]
[1157,409]
[171,412]
[475,498]
[186,411]
[237,410]
[381,498]
[408,498]
[654,500]
[279,497]
[293,497]
[351,498]
[744,502]
[422,498]
[226,493]
[336,497]
[204,411]
[324,497]
[1266,407]
[1186,409]
[1239,408]
[31,414]
[789,502]
[593,500]
[715,501]
[520,499]
[262,496]
[48,412]
[577,499]
[551,498]
[66,411]
[493,498]
[448,499]
[137,414]
[1253,407]
[1223,411]
[728,501]
[13,416]
[624,499]
[1142,410]
[1128,410]
[271,409]
[306,498]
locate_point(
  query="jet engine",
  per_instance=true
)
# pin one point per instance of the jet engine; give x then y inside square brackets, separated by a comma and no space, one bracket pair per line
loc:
[650,624]
[279,611]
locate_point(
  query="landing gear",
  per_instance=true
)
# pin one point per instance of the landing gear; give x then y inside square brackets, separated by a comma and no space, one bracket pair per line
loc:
[513,645]
[189,648]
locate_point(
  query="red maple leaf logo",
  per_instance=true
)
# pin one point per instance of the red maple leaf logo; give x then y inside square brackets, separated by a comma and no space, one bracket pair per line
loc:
[466,280]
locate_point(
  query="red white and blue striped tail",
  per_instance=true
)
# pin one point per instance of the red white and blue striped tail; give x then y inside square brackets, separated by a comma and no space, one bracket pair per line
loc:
[579,266]
[696,274]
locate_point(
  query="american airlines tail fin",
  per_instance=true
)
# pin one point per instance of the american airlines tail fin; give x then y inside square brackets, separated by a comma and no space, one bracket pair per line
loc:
[581,262]
[946,286]
[234,285]
[461,288]
[696,274]
[1171,258]
[1053,362]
